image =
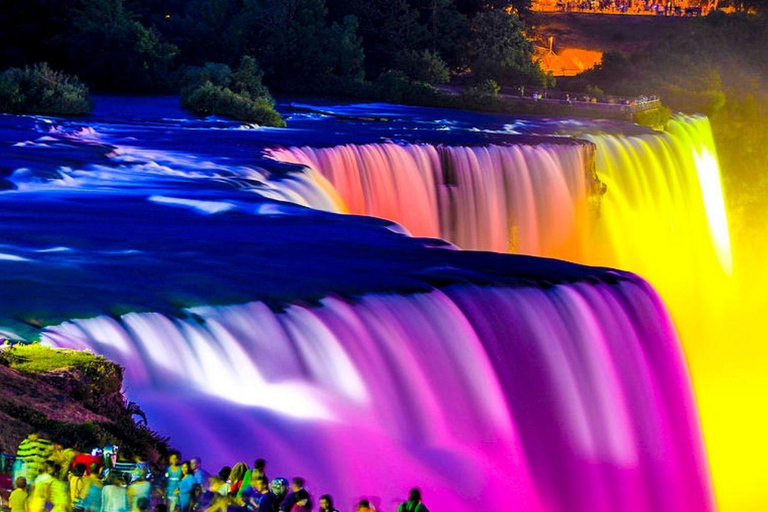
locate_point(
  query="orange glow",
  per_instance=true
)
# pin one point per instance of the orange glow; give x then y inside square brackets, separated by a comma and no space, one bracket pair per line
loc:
[567,61]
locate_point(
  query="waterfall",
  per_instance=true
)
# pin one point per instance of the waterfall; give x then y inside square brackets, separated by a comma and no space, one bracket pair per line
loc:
[612,202]
[650,203]
[570,397]
[517,198]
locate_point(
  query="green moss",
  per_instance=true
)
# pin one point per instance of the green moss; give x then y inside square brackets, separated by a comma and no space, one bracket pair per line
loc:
[36,359]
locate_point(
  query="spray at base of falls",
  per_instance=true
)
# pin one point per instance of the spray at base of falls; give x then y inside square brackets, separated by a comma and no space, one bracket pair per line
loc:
[572,397]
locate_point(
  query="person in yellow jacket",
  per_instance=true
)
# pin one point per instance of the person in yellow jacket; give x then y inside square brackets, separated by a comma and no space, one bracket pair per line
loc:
[59,491]
[17,501]
[41,489]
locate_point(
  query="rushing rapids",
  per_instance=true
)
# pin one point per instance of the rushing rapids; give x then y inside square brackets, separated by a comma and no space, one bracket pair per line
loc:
[363,359]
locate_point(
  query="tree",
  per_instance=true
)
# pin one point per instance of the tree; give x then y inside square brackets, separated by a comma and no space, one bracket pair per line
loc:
[298,49]
[424,66]
[113,51]
[501,52]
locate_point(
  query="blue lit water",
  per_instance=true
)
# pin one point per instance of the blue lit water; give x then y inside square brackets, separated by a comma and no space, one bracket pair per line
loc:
[141,206]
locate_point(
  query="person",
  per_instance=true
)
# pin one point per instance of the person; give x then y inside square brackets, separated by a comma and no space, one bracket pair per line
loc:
[297,484]
[279,488]
[140,466]
[414,503]
[326,503]
[273,498]
[200,475]
[259,470]
[258,497]
[172,478]
[17,501]
[77,480]
[186,488]
[94,457]
[142,505]
[33,452]
[93,487]
[41,489]
[302,501]
[114,497]
[139,488]
[218,492]
[60,497]
[63,457]
[236,478]
[364,506]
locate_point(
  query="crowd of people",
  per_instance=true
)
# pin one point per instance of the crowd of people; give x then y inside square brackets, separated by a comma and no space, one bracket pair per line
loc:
[50,478]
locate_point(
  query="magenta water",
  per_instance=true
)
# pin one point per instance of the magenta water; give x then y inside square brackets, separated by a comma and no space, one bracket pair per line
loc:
[572,397]
[335,346]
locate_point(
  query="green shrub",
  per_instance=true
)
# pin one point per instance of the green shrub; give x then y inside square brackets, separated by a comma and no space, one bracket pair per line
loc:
[424,66]
[215,90]
[395,87]
[654,118]
[41,90]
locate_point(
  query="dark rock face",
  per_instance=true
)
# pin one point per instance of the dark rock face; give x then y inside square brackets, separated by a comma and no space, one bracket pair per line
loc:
[79,407]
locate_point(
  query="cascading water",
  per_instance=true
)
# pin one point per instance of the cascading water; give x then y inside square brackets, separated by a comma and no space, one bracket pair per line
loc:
[520,198]
[660,213]
[530,392]
[659,189]
[573,397]
[662,188]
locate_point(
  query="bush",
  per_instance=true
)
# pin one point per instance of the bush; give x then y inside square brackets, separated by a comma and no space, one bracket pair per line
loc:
[396,87]
[215,90]
[424,66]
[41,90]
[654,118]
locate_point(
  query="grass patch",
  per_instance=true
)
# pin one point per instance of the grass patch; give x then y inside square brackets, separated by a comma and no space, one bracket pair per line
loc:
[36,359]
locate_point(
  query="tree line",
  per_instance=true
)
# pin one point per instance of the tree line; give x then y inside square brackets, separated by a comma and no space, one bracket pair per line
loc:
[302,46]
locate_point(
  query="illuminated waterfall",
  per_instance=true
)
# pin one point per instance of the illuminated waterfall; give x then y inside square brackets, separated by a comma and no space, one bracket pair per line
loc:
[663,189]
[518,198]
[656,207]
[573,397]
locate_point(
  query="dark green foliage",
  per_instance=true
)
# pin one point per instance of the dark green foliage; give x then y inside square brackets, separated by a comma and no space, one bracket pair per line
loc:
[501,52]
[424,66]
[110,49]
[481,96]
[298,49]
[215,90]
[41,90]
[306,46]
[396,87]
